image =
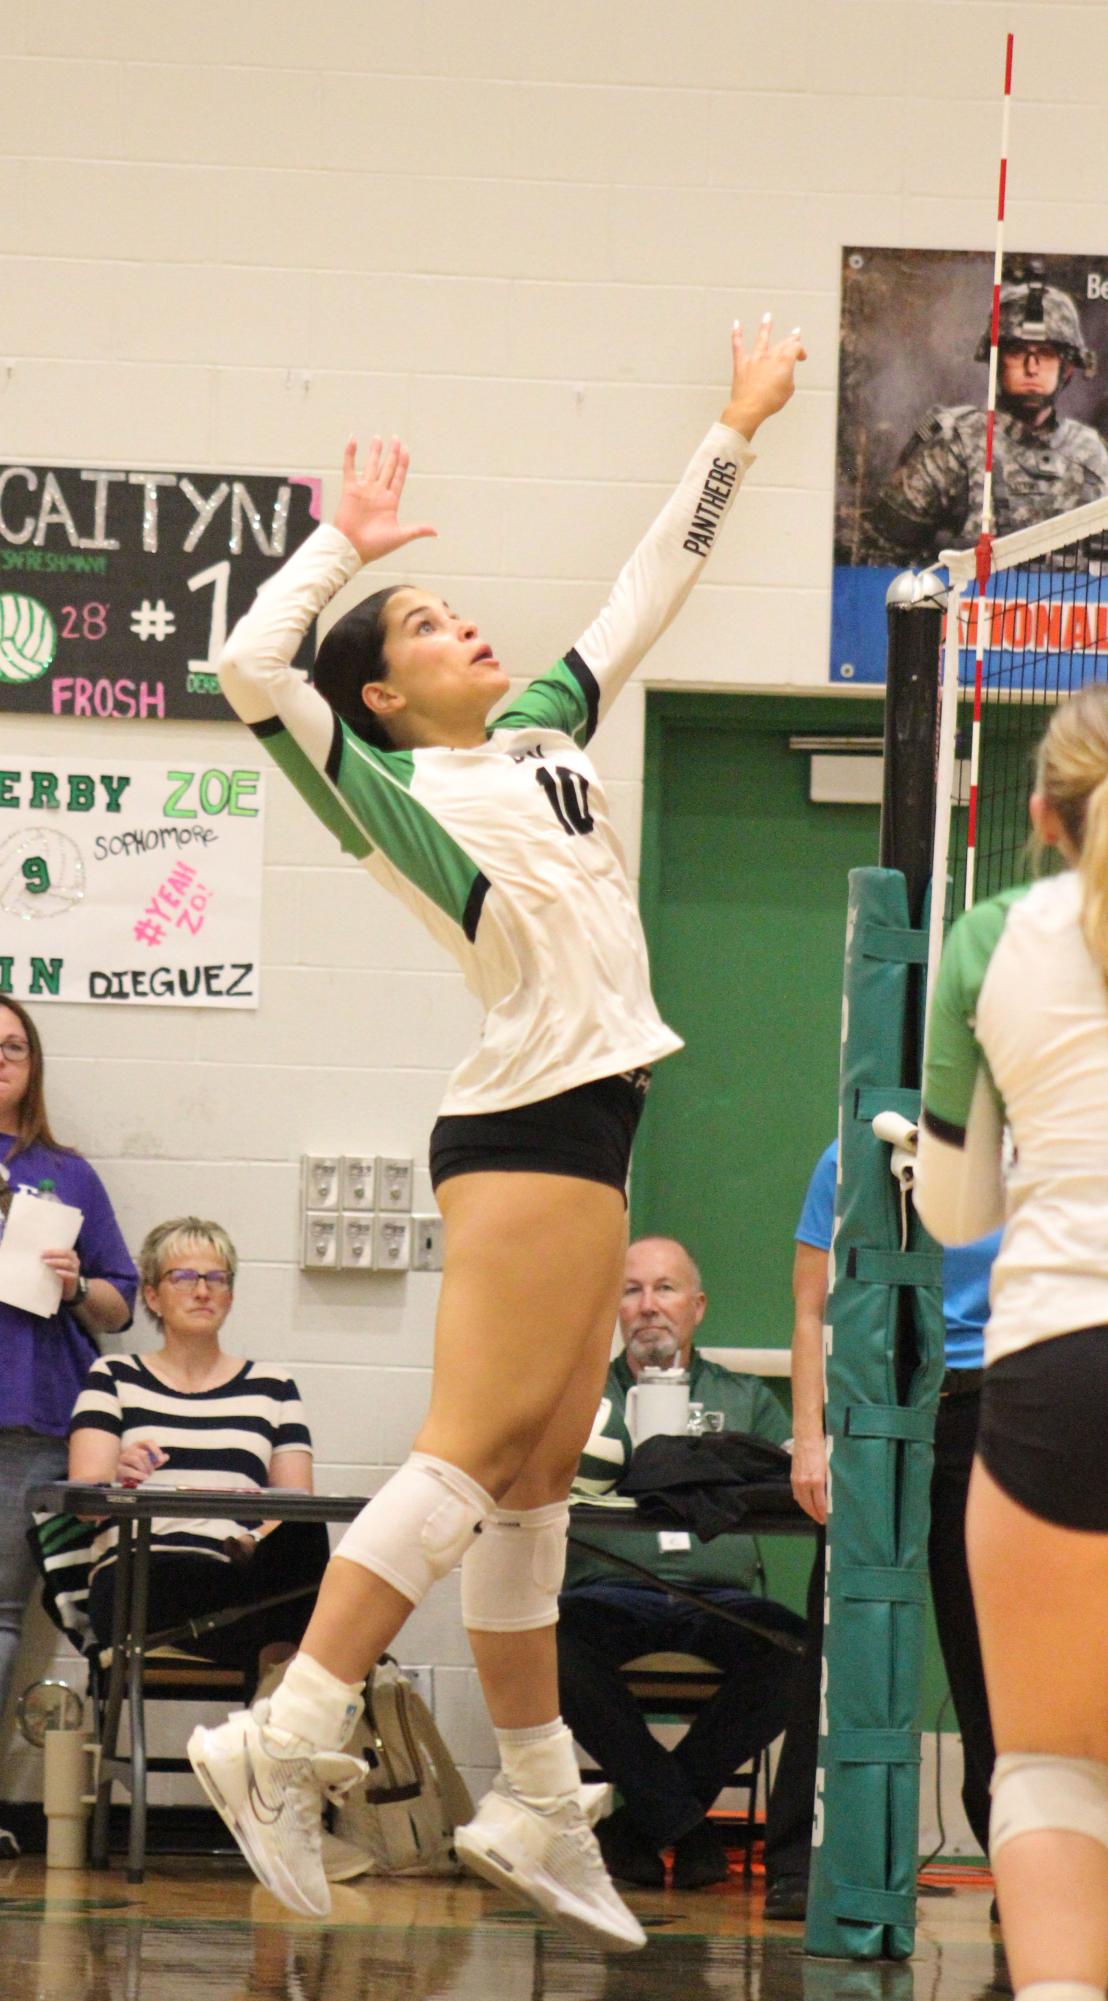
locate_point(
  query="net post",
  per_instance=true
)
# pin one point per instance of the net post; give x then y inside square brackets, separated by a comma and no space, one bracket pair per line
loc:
[884,1319]
[914,605]
[941,902]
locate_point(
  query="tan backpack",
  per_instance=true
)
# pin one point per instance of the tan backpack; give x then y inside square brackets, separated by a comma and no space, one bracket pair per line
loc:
[404,1814]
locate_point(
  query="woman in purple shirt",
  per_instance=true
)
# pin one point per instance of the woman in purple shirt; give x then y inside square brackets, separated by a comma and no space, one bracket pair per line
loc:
[43,1363]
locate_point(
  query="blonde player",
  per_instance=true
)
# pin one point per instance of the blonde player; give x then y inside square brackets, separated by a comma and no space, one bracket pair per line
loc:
[499,838]
[1019,1031]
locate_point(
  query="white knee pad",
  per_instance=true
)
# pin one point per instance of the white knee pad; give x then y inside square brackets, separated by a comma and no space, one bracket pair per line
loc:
[418,1526]
[512,1573]
[1034,1791]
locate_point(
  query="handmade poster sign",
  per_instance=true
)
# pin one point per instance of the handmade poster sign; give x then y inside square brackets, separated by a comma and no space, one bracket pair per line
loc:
[130,882]
[118,588]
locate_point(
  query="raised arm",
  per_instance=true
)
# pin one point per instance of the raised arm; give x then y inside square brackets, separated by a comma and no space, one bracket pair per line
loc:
[256,674]
[654,583]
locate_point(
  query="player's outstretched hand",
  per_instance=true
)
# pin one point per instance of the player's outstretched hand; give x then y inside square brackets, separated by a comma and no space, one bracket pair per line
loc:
[367,511]
[763,379]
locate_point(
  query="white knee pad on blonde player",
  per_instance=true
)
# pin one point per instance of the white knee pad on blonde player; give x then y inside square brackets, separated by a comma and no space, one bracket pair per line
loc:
[418,1526]
[1035,1792]
[512,1574]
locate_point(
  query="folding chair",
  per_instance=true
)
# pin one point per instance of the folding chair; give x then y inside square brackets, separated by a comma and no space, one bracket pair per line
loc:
[155,1667]
[674,1686]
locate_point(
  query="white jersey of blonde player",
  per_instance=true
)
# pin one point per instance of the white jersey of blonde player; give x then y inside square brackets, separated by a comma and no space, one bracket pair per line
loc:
[506,852]
[1018,1033]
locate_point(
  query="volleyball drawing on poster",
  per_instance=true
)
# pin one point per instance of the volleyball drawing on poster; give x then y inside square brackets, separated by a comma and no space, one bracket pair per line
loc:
[128,883]
[913,371]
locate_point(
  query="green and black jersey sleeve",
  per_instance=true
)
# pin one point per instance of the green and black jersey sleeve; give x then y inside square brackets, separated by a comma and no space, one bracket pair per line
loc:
[958,1187]
[376,787]
[576,693]
[316,793]
[363,795]
[954,1060]
[274,698]
[565,698]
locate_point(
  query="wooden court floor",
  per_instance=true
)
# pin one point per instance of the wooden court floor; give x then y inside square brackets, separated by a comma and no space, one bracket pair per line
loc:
[202,1930]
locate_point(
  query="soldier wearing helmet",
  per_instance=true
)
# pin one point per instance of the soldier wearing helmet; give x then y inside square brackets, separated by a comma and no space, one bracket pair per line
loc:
[1043,463]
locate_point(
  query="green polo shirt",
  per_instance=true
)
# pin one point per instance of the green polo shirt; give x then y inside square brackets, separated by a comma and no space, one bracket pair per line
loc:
[747,1405]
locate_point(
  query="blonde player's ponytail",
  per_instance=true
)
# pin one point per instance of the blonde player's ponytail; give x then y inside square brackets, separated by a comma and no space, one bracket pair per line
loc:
[1094,875]
[1072,777]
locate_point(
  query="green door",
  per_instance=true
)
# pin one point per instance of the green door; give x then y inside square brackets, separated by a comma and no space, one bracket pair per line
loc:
[744,900]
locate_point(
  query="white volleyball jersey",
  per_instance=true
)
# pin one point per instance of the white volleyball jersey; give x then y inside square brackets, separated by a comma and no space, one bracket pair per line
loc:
[1019,1034]
[506,852]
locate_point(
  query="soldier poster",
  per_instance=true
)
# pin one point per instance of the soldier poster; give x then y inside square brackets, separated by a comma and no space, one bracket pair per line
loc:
[131,882]
[118,587]
[913,378]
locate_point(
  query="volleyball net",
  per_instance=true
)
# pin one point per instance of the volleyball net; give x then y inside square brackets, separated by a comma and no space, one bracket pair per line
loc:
[1035,631]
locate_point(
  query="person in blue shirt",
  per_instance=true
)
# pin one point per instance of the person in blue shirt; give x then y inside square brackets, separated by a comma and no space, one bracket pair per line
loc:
[966,1271]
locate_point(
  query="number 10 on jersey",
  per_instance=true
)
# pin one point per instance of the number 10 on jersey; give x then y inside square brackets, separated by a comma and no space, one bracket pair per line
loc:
[568,793]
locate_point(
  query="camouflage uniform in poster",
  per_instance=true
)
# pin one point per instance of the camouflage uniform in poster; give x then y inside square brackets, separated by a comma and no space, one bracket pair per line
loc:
[1043,464]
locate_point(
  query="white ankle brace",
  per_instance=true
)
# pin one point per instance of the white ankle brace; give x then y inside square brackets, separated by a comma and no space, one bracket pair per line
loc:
[540,1763]
[313,1703]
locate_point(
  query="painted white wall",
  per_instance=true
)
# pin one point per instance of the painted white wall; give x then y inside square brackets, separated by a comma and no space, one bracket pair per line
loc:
[518,236]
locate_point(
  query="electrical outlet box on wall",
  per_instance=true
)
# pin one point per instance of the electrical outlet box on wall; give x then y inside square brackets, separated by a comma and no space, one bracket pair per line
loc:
[427,1243]
[358,1181]
[392,1237]
[394,1184]
[319,1180]
[320,1248]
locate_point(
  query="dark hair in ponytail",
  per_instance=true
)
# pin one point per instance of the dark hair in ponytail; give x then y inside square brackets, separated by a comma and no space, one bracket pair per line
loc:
[353,653]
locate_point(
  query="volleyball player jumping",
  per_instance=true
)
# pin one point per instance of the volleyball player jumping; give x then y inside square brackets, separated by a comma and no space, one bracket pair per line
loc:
[499,838]
[1019,1031]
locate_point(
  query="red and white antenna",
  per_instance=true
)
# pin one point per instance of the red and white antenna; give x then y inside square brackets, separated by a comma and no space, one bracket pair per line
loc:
[985,539]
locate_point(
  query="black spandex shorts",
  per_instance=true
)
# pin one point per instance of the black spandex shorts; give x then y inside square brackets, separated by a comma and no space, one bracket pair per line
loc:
[585,1132]
[1044,1419]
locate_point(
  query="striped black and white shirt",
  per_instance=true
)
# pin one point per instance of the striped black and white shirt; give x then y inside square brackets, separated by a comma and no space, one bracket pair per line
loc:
[224,1437]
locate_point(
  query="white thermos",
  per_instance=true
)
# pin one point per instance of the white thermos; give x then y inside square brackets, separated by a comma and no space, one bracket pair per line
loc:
[658,1404]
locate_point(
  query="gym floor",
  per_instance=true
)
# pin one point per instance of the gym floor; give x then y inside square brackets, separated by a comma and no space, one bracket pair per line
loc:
[202,1930]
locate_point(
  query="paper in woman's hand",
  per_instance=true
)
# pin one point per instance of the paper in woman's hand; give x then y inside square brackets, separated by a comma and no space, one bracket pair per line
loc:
[34,1226]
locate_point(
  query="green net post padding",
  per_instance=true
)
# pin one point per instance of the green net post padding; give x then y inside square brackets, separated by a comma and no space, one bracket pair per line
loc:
[880,1422]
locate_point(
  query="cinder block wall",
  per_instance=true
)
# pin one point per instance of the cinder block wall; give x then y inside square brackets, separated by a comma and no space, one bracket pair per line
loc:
[518,236]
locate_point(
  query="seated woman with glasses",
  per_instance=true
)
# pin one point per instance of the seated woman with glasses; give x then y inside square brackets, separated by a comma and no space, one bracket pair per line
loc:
[188,1415]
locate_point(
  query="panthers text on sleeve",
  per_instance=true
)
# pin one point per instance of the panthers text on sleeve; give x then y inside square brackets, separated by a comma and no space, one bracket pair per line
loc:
[507,851]
[1019,1032]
